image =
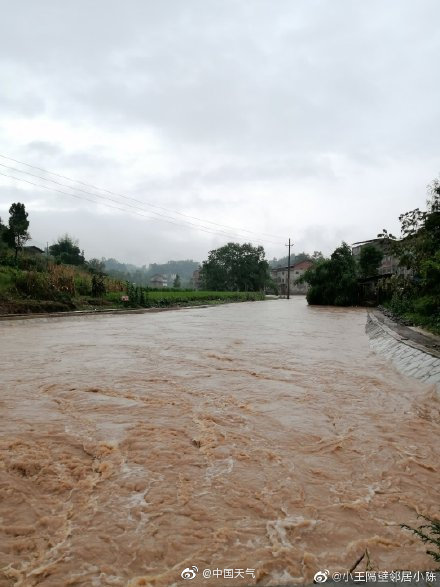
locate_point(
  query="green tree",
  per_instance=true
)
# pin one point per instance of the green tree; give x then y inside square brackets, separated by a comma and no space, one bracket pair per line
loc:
[98,286]
[3,235]
[96,266]
[235,267]
[317,256]
[416,295]
[420,233]
[17,233]
[67,251]
[369,260]
[177,283]
[333,281]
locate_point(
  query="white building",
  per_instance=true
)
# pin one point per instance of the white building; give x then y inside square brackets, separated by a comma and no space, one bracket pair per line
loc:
[158,281]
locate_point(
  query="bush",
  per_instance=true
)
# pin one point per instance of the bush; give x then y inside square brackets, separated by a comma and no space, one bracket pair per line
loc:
[7,258]
[83,286]
[429,534]
[62,279]
[98,286]
[427,305]
[401,302]
[333,281]
[57,284]
[33,284]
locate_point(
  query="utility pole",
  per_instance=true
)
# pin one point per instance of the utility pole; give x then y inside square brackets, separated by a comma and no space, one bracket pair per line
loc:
[288,271]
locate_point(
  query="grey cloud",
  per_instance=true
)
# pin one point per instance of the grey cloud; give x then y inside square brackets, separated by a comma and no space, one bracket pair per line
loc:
[334,100]
[326,83]
[323,78]
[25,104]
[41,148]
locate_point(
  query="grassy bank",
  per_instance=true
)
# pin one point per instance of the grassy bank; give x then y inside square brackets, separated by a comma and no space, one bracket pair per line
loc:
[415,310]
[414,318]
[62,288]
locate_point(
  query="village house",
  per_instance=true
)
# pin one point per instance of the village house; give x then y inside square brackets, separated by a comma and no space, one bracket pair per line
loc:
[390,263]
[372,287]
[158,281]
[280,276]
[33,250]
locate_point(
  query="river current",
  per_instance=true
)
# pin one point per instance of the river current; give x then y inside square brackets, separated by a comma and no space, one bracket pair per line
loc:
[264,437]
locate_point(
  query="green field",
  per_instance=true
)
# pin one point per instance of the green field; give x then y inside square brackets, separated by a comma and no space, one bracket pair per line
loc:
[160,298]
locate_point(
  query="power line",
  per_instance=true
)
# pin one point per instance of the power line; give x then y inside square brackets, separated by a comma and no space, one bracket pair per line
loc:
[50,188]
[107,198]
[288,270]
[134,211]
[148,204]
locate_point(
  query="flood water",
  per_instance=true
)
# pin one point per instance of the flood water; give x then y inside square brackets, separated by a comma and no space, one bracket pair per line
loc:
[264,435]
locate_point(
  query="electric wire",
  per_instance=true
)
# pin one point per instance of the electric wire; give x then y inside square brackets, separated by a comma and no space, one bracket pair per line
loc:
[148,204]
[105,203]
[105,198]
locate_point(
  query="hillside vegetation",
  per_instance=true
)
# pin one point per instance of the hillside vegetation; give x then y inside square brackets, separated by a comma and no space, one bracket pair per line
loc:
[61,279]
[58,288]
[413,293]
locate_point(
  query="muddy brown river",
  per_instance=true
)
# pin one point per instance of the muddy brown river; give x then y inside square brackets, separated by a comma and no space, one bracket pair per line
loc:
[265,437]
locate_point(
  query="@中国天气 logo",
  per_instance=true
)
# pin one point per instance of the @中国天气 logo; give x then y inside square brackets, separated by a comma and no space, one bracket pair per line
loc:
[189,573]
[321,576]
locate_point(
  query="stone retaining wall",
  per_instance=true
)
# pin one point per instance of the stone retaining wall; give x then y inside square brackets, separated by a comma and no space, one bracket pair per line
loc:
[409,357]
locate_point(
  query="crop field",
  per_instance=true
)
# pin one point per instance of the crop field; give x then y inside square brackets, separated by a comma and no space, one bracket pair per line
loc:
[159,298]
[64,288]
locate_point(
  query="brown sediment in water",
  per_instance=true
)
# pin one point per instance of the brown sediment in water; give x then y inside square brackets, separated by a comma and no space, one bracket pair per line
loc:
[262,436]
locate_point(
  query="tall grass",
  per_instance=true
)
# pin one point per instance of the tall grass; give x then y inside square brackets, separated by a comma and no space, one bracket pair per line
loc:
[429,534]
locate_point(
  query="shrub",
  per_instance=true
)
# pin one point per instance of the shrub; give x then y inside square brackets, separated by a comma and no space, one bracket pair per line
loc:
[429,534]
[427,305]
[401,301]
[333,281]
[98,286]
[33,284]
[83,286]
[62,279]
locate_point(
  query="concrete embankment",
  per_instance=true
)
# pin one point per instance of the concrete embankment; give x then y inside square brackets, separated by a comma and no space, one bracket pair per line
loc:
[414,354]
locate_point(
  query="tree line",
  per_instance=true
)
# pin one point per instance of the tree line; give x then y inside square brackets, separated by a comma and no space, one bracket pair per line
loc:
[413,292]
[233,267]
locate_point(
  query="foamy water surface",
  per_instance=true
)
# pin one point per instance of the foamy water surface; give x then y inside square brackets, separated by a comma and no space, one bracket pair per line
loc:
[263,435]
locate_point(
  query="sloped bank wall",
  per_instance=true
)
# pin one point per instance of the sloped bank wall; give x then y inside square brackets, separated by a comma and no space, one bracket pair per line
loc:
[409,357]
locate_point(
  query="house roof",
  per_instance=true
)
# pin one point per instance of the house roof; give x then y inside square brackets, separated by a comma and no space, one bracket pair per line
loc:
[33,248]
[301,265]
[372,240]
[158,277]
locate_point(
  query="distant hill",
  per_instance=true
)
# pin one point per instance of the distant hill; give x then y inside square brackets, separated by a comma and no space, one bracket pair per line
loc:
[142,275]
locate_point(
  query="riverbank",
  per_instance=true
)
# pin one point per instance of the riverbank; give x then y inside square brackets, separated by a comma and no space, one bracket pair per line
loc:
[114,310]
[413,352]
[64,289]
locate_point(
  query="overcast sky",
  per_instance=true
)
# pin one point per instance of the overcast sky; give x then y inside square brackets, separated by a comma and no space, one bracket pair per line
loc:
[311,119]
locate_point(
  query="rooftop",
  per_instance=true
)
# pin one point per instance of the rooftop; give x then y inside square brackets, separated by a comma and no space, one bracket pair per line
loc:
[301,265]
